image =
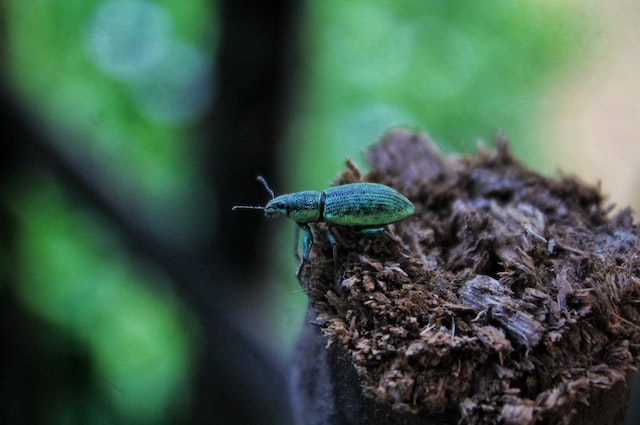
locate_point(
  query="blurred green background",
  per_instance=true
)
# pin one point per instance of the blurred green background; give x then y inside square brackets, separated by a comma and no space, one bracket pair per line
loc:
[124,88]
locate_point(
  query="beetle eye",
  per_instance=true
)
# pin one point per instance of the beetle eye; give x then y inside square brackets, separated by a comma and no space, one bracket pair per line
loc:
[280,205]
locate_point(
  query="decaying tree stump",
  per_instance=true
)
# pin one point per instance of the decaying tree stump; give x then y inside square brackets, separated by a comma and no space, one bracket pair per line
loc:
[512,298]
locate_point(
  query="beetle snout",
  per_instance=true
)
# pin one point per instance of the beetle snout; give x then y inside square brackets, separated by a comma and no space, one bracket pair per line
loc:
[276,207]
[271,213]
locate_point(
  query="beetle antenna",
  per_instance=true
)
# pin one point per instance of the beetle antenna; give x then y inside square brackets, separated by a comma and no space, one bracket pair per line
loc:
[266,186]
[246,207]
[251,207]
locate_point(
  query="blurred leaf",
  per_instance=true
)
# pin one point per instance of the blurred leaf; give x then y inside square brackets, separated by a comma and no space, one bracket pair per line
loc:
[103,75]
[458,70]
[74,271]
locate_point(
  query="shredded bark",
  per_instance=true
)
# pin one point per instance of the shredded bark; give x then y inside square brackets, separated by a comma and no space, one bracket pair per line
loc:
[508,297]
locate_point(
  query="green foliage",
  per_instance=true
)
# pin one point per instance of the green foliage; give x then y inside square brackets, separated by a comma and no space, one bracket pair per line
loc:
[108,80]
[458,70]
[89,74]
[73,271]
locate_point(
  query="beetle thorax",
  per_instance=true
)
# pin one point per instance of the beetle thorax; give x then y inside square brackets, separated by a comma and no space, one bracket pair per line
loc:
[305,207]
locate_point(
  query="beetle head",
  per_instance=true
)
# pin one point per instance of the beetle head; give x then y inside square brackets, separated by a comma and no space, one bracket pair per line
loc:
[276,206]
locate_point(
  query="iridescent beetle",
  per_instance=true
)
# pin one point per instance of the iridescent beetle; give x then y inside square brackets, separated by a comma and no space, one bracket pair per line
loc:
[363,206]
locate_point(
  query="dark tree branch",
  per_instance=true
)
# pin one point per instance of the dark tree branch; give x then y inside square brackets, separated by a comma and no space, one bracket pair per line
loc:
[238,379]
[255,69]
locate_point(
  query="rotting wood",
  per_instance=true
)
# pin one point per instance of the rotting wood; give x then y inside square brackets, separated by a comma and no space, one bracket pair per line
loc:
[515,299]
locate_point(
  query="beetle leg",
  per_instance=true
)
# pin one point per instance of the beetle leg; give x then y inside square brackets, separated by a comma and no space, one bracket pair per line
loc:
[374,230]
[334,246]
[296,239]
[307,240]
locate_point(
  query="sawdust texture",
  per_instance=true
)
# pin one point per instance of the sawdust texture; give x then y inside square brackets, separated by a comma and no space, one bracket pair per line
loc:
[508,297]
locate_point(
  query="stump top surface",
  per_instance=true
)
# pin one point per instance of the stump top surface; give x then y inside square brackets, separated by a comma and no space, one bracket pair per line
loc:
[514,297]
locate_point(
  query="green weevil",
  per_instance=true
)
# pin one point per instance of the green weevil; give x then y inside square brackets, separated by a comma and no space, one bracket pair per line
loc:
[366,207]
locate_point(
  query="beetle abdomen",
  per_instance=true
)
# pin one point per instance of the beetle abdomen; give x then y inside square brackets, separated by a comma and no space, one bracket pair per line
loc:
[365,204]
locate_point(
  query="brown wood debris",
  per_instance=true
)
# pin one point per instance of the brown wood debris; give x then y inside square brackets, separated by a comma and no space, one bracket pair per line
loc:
[512,298]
